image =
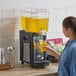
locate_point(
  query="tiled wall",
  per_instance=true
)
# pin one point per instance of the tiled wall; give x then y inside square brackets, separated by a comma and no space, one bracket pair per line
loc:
[9,29]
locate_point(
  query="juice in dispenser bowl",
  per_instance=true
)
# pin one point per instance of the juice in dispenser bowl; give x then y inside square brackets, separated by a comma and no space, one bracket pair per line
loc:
[35,23]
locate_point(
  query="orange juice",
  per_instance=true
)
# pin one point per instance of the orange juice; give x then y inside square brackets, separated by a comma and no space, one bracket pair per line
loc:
[35,45]
[43,24]
[42,46]
[32,24]
[23,22]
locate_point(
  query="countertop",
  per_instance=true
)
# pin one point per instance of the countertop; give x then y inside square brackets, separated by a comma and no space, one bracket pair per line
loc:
[26,70]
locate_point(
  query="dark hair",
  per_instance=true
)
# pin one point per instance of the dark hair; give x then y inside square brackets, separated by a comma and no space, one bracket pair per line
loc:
[70,22]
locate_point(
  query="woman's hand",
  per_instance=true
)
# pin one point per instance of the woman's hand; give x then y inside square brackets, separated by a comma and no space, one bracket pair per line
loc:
[49,48]
[53,51]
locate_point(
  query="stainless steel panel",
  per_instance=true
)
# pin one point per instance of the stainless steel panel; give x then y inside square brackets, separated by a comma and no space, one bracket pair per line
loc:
[26,54]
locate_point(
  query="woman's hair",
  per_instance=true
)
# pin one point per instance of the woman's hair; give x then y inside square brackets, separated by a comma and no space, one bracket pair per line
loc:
[70,22]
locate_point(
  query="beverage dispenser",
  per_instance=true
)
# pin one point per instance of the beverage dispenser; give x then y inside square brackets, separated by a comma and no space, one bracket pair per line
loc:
[33,39]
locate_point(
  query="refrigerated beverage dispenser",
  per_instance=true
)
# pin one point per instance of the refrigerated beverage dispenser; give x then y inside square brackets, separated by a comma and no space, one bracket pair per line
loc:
[32,41]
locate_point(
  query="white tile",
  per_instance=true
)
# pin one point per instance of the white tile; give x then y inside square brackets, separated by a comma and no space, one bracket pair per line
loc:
[61,14]
[71,11]
[51,35]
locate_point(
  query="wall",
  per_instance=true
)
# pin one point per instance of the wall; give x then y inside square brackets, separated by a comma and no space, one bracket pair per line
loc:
[11,10]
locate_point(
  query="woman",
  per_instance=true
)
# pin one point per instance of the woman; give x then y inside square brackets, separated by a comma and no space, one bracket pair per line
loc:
[67,65]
